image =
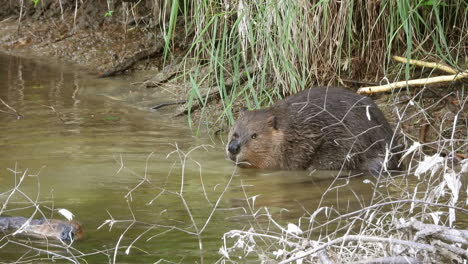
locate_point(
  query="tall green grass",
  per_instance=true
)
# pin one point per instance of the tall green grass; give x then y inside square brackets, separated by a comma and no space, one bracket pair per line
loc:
[293,44]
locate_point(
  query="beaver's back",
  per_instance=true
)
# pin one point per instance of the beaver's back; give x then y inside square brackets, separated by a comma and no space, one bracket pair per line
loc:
[346,126]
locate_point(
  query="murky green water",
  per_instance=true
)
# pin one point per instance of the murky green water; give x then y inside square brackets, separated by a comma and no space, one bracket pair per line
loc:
[104,159]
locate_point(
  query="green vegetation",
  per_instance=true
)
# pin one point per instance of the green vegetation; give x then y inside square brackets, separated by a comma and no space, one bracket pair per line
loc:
[108,13]
[35,2]
[293,44]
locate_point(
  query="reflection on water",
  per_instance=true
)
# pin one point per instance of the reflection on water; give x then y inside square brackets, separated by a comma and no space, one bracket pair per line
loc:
[103,159]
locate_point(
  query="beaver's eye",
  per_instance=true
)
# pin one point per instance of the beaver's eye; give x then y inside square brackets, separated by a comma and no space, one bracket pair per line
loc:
[254,136]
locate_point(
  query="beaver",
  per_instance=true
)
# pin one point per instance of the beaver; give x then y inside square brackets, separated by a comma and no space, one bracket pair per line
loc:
[66,231]
[325,128]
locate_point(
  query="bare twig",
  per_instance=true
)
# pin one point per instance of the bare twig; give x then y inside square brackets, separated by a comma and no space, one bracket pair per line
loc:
[410,83]
[421,63]
[18,115]
[20,17]
[161,105]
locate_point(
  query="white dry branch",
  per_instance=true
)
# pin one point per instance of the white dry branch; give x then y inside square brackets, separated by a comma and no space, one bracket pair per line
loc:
[455,75]
[412,83]
[359,239]
[425,64]
[447,234]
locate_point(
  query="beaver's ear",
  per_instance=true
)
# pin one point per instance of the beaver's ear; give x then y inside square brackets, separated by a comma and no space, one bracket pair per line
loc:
[273,122]
[242,111]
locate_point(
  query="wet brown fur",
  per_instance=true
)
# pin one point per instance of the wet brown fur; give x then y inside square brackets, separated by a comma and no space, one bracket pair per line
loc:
[319,128]
[43,228]
[52,228]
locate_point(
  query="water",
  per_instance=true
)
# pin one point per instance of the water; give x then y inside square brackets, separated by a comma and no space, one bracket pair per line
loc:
[90,146]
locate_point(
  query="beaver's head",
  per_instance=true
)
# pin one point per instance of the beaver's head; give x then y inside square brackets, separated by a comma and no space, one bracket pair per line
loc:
[78,231]
[254,140]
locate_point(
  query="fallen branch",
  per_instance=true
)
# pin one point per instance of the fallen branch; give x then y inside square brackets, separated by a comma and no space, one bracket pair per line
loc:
[456,75]
[156,107]
[390,260]
[425,64]
[359,238]
[453,249]
[440,232]
[409,83]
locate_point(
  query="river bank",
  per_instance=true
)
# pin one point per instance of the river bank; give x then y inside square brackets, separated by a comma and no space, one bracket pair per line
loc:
[125,38]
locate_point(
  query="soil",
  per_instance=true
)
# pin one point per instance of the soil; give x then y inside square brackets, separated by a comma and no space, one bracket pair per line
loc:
[101,42]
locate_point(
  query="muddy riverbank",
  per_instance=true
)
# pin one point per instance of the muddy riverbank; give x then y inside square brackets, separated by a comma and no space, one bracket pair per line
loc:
[93,40]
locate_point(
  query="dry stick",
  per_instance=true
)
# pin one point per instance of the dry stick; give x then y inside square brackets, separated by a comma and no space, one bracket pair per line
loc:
[425,64]
[417,82]
[360,238]
[15,189]
[451,248]
[384,204]
[390,260]
[20,17]
[128,196]
[74,16]
[156,107]
[61,9]
[441,232]
[5,20]
[324,258]
[117,246]
[183,159]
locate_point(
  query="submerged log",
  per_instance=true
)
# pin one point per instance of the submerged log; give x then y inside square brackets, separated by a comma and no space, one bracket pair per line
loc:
[66,231]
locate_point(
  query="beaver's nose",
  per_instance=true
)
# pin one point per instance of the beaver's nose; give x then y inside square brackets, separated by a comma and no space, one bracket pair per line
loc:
[234,147]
